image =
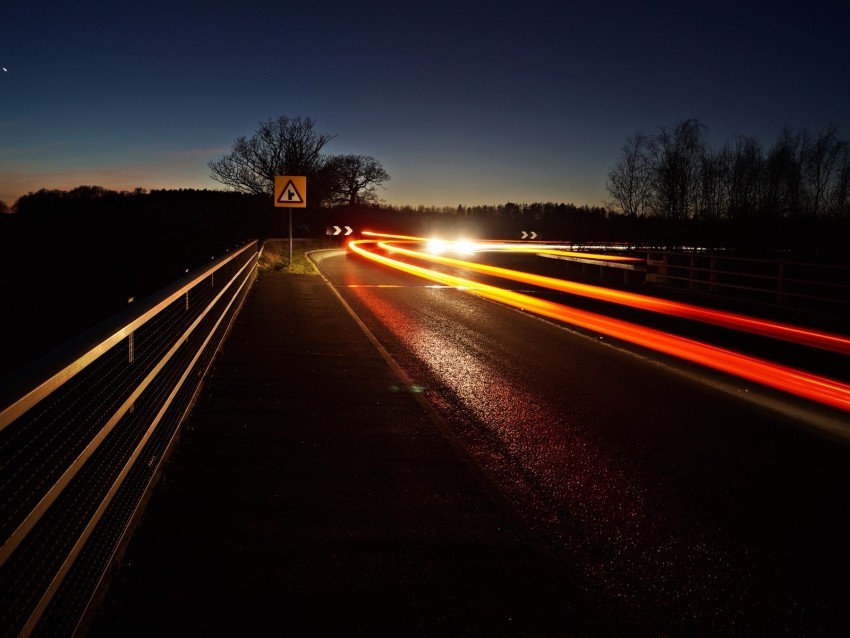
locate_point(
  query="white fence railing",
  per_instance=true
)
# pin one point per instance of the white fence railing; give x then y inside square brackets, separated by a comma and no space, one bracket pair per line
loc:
[83,432]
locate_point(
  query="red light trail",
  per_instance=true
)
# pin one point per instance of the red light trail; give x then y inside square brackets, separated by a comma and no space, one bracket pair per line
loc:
[752,325]
[797,382]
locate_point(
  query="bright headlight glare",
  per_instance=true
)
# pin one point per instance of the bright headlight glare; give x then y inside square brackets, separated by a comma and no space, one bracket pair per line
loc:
[436,246]
[465,247]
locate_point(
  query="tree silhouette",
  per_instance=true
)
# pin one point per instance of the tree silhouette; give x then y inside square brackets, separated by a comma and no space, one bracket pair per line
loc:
[675,175]
[354,179]
[285,146]
[293,146]
[628,180]
[674,157]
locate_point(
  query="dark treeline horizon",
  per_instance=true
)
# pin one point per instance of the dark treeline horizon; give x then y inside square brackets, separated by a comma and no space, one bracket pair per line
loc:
[182,228]
[199,223]
[676,174]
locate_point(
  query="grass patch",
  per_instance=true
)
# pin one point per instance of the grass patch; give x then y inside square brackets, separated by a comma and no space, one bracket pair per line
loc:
[275,255]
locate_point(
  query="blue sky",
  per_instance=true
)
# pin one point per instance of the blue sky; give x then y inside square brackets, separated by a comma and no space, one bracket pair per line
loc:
[462,102]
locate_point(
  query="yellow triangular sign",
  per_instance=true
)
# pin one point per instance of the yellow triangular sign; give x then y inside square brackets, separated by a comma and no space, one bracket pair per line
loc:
[290,194]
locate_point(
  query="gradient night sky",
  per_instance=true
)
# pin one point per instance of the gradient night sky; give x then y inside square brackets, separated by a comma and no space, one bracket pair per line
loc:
[462,102]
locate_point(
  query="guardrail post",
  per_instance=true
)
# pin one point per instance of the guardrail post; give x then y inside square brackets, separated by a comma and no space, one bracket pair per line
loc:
[693,279]
[657,269]
[712,275]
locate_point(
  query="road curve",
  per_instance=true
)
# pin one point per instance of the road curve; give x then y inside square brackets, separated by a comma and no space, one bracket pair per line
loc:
[681,507]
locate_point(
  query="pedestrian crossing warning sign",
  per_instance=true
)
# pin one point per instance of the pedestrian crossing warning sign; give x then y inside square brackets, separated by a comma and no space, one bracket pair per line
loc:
[290,191]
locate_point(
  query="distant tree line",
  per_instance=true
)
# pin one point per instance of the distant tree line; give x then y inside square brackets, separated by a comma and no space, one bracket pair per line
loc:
[121,244]
[200,222]
[536,211]
[210,218]
[676,175]
[69,259]
[190,223]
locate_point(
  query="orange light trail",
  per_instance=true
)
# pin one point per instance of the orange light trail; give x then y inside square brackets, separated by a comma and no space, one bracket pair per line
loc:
[821,389]
[773,329]
[512,246]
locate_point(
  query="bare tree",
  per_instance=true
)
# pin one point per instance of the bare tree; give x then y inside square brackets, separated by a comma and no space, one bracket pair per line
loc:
[820,158]
[713,187]
[744,176]
[780,186]
[839,205]
[674,174]
[354,179]
[628,179]
[285,146]
[674,158]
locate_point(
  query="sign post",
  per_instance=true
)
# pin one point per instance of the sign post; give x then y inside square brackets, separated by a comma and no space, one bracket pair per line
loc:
[290,191]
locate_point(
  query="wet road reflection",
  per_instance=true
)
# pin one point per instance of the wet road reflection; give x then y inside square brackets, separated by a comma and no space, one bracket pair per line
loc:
[669,506]
[798,382]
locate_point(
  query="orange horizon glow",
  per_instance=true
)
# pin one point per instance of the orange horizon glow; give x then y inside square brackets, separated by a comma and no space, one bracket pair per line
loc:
[797,382]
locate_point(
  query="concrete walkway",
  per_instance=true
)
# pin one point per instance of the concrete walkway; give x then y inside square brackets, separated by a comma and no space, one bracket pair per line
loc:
[311,494]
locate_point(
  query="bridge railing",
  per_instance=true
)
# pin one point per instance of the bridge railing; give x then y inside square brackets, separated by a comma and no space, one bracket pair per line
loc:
[811,286]
[83,432]
[769,281]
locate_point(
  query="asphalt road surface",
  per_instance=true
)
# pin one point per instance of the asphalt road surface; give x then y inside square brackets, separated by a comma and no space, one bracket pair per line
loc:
[681,506]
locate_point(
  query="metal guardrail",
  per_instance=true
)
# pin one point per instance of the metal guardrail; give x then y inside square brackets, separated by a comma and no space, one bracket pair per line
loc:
[83,432]
[789,283]
[775,282]
[601,266]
